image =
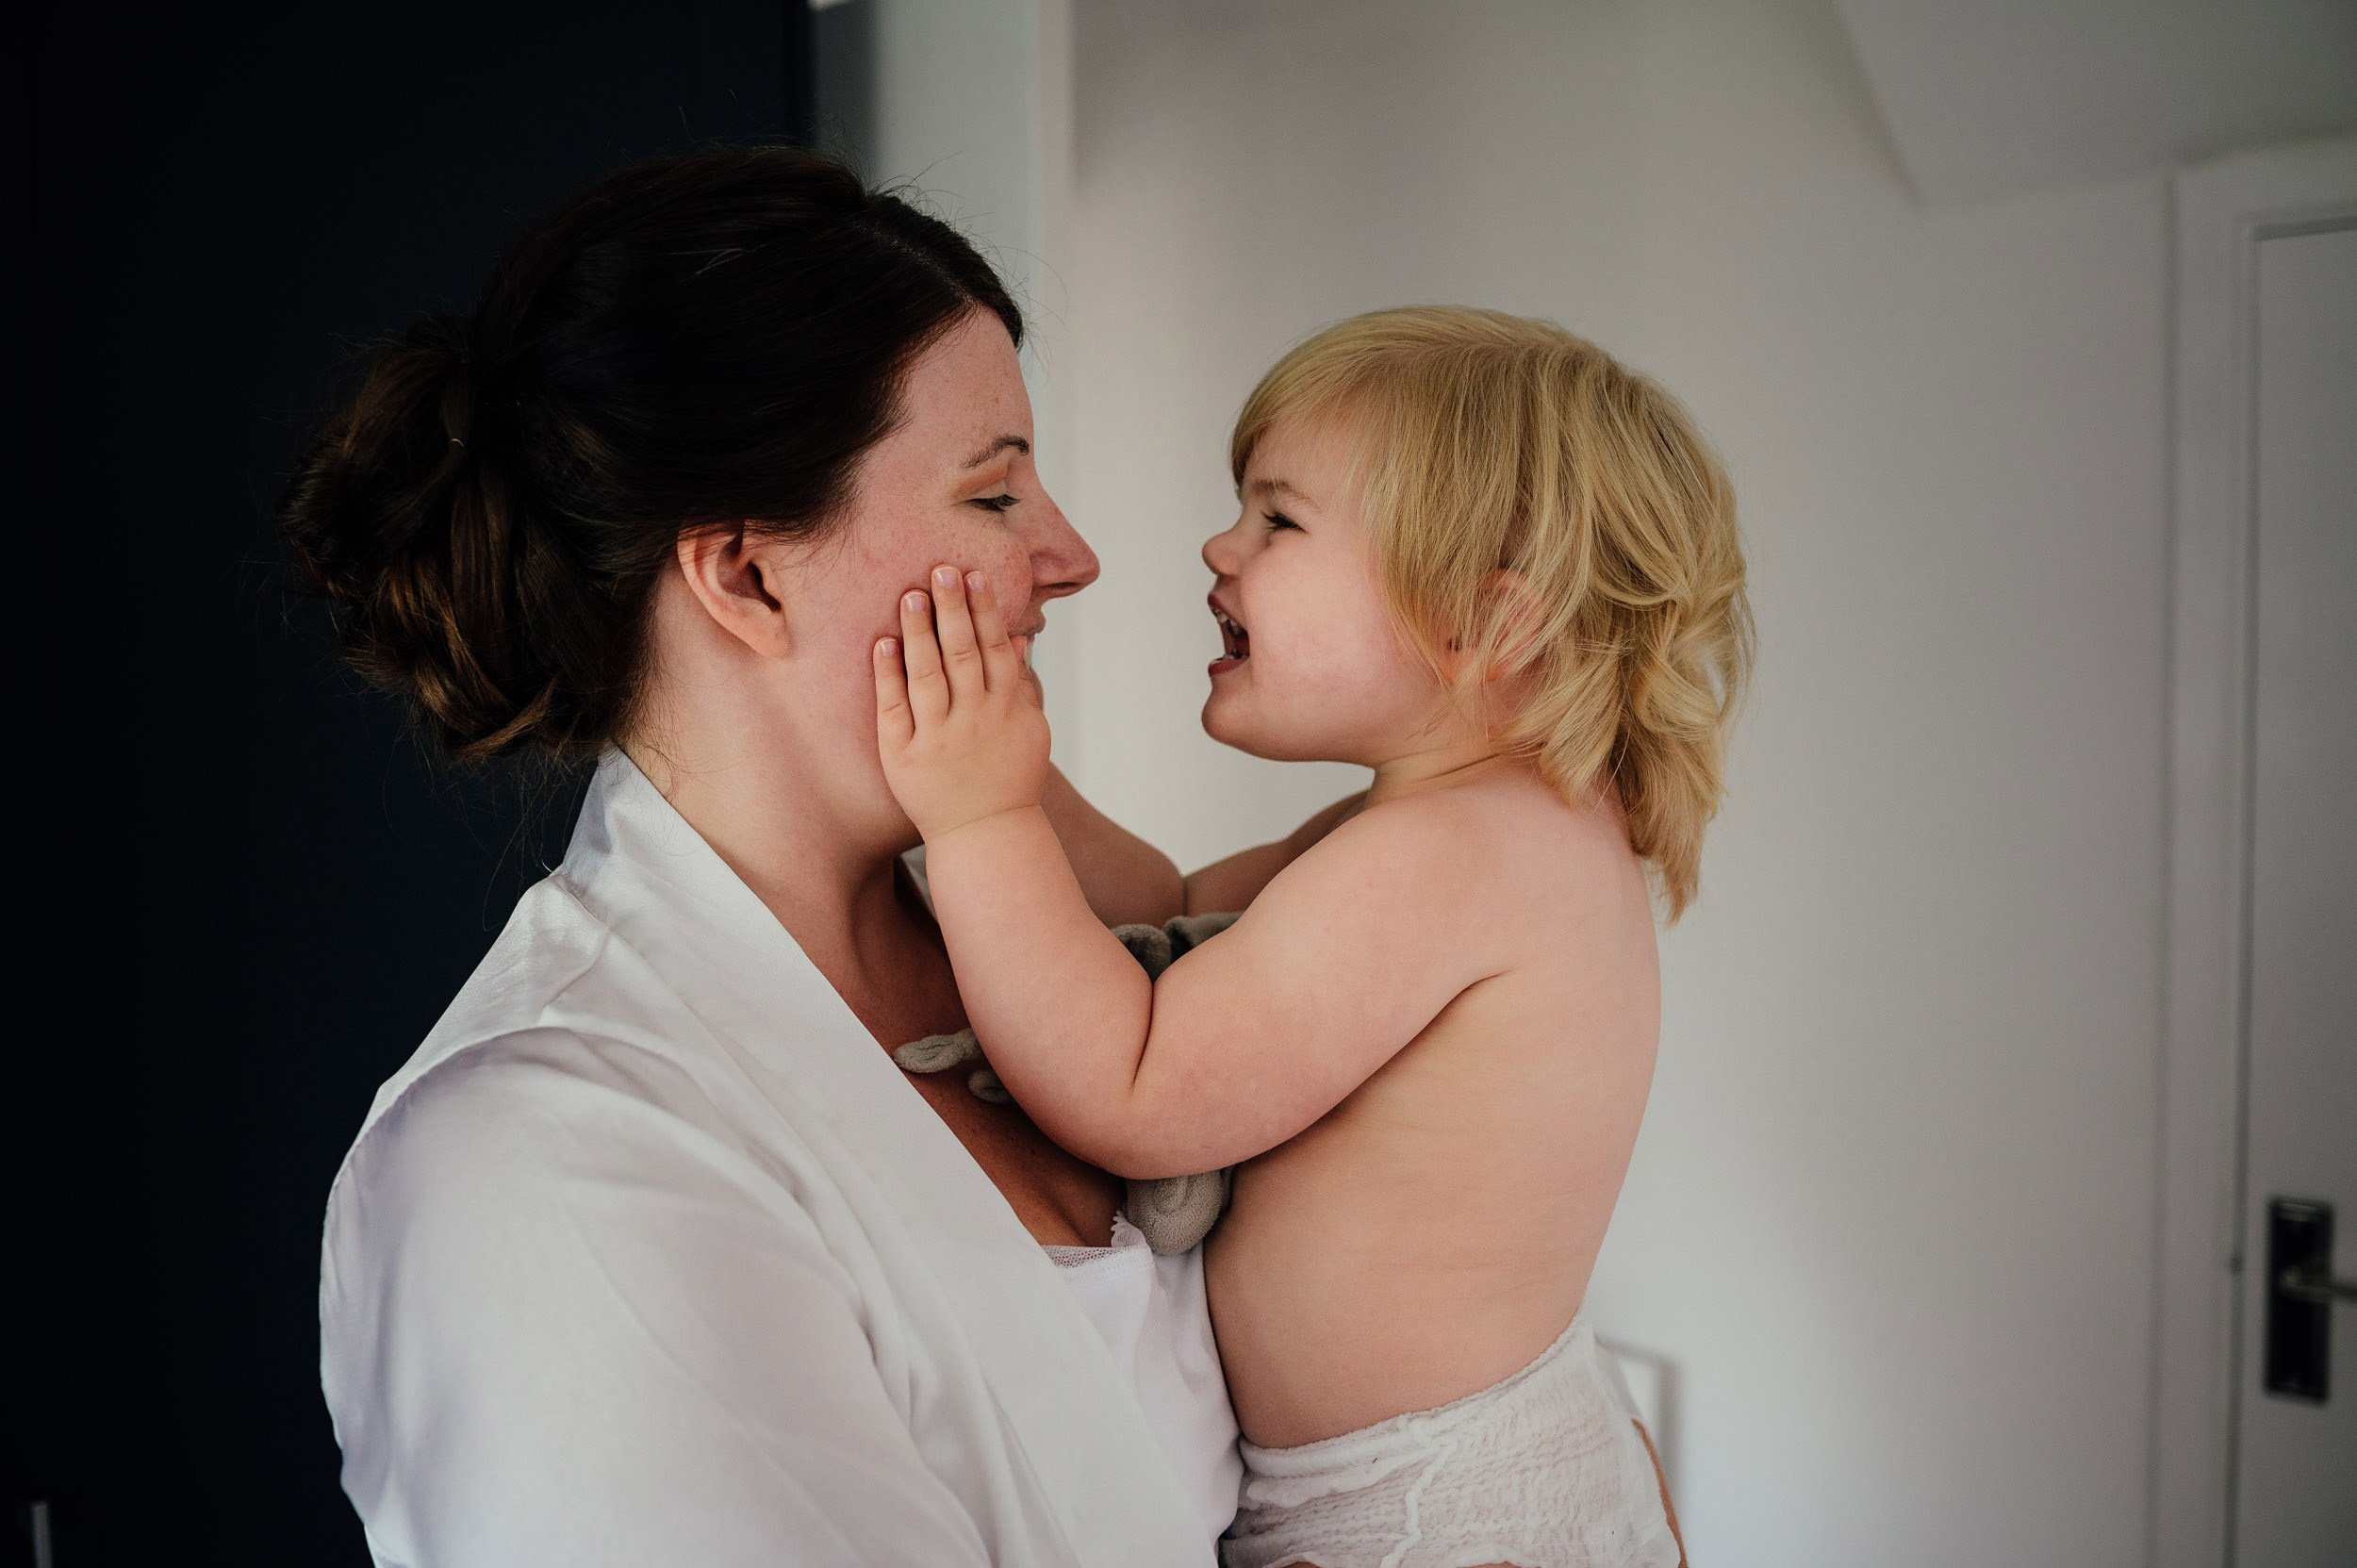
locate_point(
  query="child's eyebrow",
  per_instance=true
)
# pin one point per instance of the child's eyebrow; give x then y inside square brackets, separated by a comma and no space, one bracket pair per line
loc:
[1278,488]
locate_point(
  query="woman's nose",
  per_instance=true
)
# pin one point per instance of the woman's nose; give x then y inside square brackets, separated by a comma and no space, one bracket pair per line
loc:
[1061,561]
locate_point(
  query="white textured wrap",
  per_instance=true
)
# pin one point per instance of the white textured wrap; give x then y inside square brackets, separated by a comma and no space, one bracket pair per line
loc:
[1542,1470]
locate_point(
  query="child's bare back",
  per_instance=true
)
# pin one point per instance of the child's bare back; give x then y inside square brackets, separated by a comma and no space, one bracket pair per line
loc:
[1435,1231]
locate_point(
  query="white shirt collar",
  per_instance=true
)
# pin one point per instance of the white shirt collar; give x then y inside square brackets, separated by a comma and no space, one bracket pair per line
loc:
[638,867]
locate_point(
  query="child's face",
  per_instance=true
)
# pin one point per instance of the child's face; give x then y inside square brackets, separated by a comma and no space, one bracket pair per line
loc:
[1323,673]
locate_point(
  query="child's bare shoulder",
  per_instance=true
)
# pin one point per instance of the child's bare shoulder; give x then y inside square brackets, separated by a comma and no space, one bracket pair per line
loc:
[1422,835]
[1502,817]
[1480,842]
[1506,851]
[1411,866]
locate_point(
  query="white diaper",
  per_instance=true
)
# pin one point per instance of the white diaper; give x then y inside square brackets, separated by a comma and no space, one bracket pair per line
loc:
[1543,1470]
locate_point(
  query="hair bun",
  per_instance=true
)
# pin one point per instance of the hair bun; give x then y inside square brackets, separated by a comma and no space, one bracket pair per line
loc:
[401,519]
[451,339]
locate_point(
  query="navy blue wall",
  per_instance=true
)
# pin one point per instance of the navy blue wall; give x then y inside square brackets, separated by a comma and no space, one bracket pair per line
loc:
[248,895]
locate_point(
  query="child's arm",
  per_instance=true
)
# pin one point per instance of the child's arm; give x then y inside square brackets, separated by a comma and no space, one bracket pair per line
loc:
[1248,1039]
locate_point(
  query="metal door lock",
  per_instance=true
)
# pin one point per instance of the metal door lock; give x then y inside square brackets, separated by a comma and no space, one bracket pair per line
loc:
[2300,1292]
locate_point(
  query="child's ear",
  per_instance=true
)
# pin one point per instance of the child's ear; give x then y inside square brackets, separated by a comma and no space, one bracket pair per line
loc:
[1524,619]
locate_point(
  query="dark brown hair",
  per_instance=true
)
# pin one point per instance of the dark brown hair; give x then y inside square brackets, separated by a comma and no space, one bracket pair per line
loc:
[710,339]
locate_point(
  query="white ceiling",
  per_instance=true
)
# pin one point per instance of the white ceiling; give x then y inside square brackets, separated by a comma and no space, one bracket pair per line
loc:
[1988,97]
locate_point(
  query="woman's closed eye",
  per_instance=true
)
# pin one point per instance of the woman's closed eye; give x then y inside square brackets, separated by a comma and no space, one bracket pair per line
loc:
[995,502]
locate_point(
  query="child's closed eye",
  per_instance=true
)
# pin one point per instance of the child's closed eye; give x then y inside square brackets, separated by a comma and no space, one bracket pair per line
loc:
[1279,519]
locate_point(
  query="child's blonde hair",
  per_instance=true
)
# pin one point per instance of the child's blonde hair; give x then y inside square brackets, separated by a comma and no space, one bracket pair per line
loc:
[1485,440]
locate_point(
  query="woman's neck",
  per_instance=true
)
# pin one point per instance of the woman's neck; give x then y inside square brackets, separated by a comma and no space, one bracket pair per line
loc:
[823,865]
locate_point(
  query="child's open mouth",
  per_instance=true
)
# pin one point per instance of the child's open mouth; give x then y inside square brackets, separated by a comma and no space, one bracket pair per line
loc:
[1238,642]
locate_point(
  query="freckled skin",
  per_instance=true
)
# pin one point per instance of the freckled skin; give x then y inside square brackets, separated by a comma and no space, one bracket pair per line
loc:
[917,504]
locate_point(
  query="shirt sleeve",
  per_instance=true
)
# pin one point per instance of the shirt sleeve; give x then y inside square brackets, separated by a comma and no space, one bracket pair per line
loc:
[565,1323]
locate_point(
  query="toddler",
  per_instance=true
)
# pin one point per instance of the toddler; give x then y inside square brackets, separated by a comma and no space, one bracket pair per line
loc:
[1482,558]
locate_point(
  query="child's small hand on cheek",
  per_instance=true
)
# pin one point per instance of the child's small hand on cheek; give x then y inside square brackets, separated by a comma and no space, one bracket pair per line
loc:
[958,719]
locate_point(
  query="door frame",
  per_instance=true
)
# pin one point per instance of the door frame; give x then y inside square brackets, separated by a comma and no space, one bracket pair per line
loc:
[2222,210]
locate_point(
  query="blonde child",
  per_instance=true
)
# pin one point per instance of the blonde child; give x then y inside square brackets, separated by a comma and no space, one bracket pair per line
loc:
[1480,557]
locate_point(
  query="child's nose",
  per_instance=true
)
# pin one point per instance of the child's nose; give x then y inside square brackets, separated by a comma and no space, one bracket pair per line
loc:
[1219,553]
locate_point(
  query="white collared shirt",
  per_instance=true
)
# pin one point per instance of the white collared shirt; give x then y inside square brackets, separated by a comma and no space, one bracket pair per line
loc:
[651,1255]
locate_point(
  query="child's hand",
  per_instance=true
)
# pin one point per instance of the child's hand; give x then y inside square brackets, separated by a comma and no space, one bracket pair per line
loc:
[958,720]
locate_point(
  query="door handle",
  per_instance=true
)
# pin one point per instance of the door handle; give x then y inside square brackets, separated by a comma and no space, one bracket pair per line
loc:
[2311,1283]
[2298,1348]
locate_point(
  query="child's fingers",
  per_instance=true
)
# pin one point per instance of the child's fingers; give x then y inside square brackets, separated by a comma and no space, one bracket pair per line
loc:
[894,725]
[961,657]
[1002,663]
[928,687]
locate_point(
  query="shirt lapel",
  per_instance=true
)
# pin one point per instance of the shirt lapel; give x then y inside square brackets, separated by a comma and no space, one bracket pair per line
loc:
[651,877]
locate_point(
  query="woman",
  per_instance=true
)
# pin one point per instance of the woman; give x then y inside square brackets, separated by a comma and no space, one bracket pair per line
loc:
[651,1254]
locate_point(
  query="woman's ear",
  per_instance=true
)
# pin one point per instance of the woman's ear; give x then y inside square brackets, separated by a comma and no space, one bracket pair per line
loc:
[735,579]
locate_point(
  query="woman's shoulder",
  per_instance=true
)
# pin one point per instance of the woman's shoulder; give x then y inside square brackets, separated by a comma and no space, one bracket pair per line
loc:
[564,1059]
[517,1176]
[514,1130]
[550,953]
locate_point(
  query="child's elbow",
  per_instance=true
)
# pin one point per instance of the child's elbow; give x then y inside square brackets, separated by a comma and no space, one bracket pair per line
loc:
[1131,1156]
[1150,1165]
[1143,1144]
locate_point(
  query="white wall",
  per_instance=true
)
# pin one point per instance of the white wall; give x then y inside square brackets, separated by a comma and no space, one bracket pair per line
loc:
[1890,1218]
[1995,97]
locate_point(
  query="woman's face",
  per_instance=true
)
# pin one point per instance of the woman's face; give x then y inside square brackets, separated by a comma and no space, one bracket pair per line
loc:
[1324,672]
[952,483]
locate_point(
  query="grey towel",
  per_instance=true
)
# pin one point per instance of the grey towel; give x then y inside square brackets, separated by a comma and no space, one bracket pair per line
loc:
[1173,1211]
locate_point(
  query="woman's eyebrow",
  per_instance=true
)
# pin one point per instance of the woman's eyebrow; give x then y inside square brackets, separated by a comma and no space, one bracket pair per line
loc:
[1002,444]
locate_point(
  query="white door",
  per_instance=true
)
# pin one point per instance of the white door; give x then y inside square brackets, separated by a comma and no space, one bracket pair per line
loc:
[2295,1489]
